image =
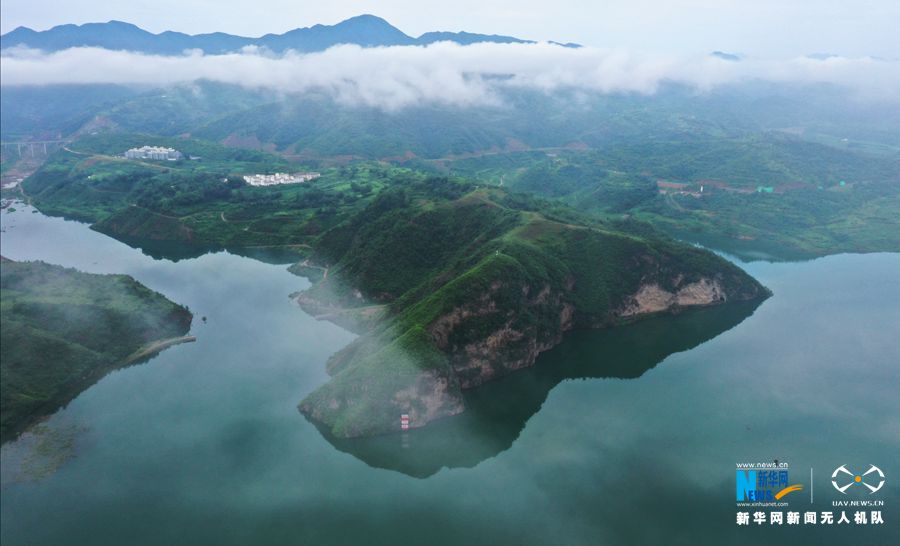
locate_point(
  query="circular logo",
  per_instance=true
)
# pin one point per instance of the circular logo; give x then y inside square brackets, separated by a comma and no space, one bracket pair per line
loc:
[843,476]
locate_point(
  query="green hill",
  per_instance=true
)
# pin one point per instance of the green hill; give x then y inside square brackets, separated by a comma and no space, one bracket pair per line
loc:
[602,154]
[62,330]
[474,286]
[452,284]
[817,199]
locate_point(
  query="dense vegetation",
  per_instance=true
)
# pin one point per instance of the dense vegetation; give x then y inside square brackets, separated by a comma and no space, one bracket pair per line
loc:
[62,330]
[602,154]
[453,282]
[397,254]
[476,283]
[205,201]
[772,193]
[823,199]
[317,126]
[50,112]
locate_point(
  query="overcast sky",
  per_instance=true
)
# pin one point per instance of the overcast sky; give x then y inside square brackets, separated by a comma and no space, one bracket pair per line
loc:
[770,28]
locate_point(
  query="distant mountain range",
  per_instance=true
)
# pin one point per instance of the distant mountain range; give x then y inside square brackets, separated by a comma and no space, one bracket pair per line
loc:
[363,30]
[726,56]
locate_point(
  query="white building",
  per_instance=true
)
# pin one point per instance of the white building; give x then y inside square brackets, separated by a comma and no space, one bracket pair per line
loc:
[279,178]
[154,152]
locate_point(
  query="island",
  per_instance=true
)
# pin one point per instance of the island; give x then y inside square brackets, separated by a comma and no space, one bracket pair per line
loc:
[61,330]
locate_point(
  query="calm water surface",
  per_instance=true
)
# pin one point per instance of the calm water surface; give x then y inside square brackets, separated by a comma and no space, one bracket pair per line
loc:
[626,436]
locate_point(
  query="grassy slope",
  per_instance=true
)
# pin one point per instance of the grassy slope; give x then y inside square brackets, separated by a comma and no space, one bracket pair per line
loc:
[63,329]
[810,214]
[187,201]
[796,225]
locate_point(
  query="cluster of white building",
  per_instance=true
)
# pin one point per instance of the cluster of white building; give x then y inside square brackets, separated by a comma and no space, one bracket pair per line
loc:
[154,152]
[279,178]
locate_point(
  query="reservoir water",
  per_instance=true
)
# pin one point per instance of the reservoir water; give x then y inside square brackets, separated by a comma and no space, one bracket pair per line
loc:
[621,436]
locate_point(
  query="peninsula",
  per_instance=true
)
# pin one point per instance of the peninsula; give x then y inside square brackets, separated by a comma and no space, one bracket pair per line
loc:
[62,330]
[474,284]
[451,283]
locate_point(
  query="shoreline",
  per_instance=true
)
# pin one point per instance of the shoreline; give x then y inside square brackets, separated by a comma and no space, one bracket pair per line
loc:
[158,346]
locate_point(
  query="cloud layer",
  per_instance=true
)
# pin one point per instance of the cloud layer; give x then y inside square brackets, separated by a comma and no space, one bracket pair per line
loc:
[443,73]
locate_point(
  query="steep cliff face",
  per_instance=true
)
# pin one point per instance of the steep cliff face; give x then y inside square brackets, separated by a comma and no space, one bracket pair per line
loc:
[351,407]
[430,397]
[484,340]
[652,298]
[478,317]
[511,345]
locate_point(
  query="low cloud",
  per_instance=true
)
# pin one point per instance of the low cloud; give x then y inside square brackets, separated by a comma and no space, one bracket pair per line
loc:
[442,73]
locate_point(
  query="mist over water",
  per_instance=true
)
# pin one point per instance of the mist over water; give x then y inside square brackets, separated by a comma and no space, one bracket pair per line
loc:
[630,435]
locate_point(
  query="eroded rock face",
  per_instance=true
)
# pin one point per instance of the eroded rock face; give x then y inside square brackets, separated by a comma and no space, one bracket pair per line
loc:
[651,298]
[513,344]
[442,327]
[702,292]
[482,361]
[350,412]
[430,397]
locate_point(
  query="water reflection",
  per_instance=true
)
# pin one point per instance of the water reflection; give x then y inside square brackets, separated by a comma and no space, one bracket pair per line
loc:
[176,251]
[497,412]
[205,445]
